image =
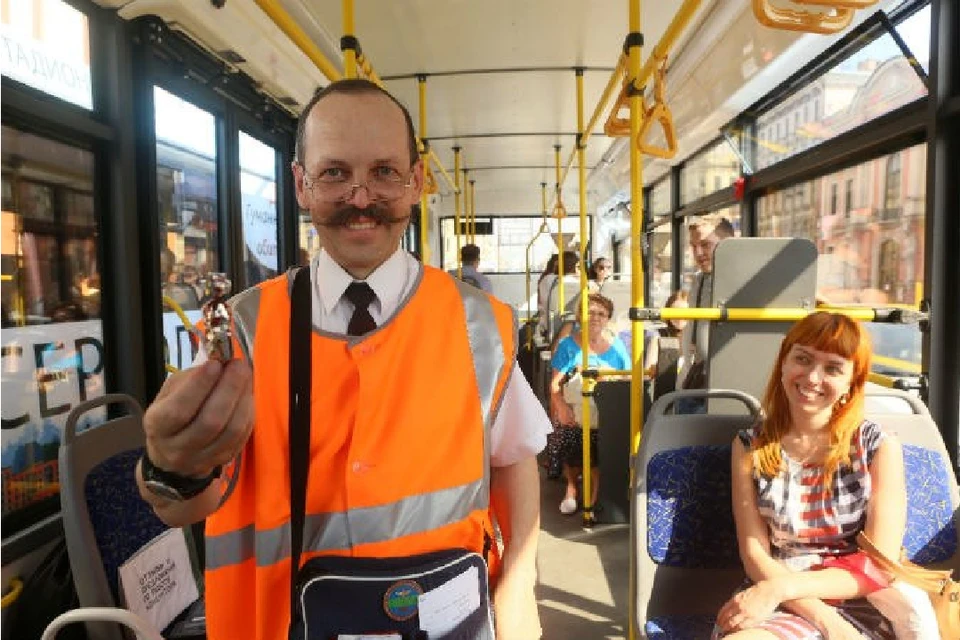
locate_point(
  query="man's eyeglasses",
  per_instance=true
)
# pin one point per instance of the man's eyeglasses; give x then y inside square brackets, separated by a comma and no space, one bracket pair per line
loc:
[334,184]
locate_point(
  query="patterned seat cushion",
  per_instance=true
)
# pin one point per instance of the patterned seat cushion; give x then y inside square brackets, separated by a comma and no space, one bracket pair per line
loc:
[931,533]
[679,628]
[122,521]
[689,517]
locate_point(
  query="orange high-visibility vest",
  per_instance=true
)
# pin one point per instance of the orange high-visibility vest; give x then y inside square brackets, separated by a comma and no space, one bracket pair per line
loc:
[399,453]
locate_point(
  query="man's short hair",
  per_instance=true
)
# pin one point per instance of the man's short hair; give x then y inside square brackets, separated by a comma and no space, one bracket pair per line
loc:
[724,229]
[351,86]
[469,253]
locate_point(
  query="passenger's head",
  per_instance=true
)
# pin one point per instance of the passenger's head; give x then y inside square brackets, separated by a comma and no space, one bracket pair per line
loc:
[601,269]
[470,254]
[703,241]
[571,263]
[599,312]
[818,378]
[677,300]
[724,229]
[357,171]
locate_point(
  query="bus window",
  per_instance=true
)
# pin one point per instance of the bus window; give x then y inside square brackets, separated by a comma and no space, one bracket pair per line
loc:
[187,194]
[258,197]
[868,224]
[52,354]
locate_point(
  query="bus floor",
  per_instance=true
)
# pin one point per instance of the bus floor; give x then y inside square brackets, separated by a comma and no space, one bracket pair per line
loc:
[583,575]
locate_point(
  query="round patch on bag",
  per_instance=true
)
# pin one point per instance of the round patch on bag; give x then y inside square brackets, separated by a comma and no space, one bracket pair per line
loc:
[400,600]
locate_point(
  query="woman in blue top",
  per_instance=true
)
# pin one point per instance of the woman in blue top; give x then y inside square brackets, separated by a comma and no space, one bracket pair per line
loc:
[605,351]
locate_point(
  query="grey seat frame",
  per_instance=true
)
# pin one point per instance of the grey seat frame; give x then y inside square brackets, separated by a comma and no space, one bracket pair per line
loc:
[79,454]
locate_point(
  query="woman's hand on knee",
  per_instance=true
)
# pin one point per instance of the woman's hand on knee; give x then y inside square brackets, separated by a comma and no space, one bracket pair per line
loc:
[750,607]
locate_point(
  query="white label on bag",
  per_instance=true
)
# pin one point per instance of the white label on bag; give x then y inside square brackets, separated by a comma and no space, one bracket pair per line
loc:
[157,581]
[445,607]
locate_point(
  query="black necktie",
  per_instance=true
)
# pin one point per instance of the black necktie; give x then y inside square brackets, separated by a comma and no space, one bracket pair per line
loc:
[361,295]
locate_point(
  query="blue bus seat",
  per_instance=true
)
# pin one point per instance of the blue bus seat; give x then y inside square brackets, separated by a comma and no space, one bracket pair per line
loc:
[686,562]
[685,546]
[105,520]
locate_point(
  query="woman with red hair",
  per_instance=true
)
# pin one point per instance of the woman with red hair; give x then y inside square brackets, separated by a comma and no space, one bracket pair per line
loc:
[806,481]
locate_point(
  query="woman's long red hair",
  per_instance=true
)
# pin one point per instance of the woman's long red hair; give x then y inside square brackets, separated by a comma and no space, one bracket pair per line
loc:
[823,331]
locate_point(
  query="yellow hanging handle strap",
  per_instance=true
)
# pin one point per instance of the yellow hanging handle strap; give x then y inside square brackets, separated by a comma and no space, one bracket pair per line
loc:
[660,112]
[825,22]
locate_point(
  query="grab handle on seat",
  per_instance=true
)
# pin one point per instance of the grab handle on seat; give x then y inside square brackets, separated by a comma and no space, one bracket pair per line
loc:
[102,614]
[667,400]
[70,429]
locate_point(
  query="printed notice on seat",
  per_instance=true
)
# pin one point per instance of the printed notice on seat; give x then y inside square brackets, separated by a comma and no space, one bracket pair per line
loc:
[157,582]
[445,607]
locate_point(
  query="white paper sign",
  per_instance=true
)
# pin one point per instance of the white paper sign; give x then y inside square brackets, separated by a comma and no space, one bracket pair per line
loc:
[445,607]
[157,582]
[382,636]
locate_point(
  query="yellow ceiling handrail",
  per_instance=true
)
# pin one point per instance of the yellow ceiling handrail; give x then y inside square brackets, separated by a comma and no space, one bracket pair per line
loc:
[290,27]
[446,176]
[804,21]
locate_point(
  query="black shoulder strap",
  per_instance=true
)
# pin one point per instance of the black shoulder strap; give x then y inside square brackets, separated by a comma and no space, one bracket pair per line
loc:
[300,361]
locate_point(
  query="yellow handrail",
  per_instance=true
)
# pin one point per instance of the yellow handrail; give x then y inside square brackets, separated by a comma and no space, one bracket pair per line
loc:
[16,588]
[290,27]
[660,112]
[456,215]
[349,55]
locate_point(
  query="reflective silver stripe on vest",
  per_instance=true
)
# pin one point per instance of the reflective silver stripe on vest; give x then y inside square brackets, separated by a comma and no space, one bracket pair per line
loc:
[230,548]
[341,531]
[246,309]
[411,515]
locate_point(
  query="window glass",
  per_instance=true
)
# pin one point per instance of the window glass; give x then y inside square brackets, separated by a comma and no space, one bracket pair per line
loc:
[871,252]
[505,249]
[309,240]
[660,198]
[258,200]
[46,45]
[726,221]
[660,270]
[187,194]
[710,171]
[52,335]
[873,81]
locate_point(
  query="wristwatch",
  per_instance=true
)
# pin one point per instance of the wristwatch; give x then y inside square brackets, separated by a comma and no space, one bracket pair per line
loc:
[174,486]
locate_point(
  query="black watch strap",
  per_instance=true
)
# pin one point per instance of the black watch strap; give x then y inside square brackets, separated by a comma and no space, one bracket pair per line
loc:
[174,485]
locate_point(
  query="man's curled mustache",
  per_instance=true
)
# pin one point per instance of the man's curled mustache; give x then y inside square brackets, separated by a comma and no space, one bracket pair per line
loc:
[349,214]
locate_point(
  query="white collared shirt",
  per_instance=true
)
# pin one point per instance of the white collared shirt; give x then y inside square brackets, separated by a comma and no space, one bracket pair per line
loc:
[521,428]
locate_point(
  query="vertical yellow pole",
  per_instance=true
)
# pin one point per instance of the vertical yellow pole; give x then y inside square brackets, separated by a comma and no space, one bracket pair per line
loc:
[588,506]
[558,214]
[466,204]
[473,212]
[635,40]
[456,202]
[349,55]
[425,161]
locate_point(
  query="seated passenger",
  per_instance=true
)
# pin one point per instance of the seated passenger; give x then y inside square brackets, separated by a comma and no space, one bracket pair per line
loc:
[604,352]
[806,481]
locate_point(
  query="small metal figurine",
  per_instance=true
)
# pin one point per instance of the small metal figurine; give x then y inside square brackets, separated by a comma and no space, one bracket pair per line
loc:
[217,336]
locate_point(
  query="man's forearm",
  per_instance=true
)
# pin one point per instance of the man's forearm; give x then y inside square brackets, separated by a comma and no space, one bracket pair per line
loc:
[515,498]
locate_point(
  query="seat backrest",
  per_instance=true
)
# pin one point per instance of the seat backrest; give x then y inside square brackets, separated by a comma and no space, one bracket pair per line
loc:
[571,293]
[756,273]
[683,532]
[105,520]
[682,527]
[619,292]
[933,498]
